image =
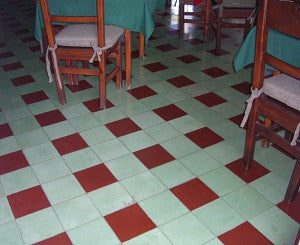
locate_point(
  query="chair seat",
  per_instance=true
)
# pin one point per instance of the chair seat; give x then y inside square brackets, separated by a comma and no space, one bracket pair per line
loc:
[238,3]
[85,35]
[285,89]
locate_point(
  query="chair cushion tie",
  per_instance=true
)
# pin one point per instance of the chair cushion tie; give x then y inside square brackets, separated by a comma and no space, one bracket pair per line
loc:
[97,51]
[219,7]
[52,49]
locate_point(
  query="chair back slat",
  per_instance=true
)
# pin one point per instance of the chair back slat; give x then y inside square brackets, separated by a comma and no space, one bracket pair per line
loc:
[73,19]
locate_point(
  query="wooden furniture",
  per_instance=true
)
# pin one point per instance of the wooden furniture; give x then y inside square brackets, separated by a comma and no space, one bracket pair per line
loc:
[278,97]
[83,41]
[202,18]
[233,14]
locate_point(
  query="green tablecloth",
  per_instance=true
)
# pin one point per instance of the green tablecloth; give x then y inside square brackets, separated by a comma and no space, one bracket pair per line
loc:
[135,15]
[280,46]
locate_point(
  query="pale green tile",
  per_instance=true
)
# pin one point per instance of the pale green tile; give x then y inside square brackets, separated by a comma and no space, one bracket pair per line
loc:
[147,119]
[10,234]
[162,132]
[84,122]
[32,138]
[59,130]
[8,145]
[74,111]
[109,115]
[24,125]
[186,124]
[5,211]
[97,135]
[137,141]
[40,153]
[154,236]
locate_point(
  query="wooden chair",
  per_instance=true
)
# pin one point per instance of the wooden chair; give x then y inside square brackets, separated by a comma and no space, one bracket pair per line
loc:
[86,39]
[228,12]
[202,18]
[278,97]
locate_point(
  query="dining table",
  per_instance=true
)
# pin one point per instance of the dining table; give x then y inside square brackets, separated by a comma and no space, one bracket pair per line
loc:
[280,45]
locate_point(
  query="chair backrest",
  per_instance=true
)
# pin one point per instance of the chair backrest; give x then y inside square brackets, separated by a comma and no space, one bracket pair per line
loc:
[51,19]
[238,3]
[282,16]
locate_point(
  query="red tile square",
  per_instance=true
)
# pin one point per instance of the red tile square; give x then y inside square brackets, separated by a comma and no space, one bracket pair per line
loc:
[122,127]
[36,48]
[94,105]
[204,137]
[155,67]
[153,156]
[215,72]
[291,209]
[187,59]
[6,55]
[165,47]
[22,31]
[28,201]
[135,54]
[237,119]
[180,81]
[60,239]
[82,85]
[95,177]
[141,92]
[214,52]
[173,32]
[18,81]
[169,112]
[245,234]
[243,87]
[194,194]
[151,38]
[50,117]
[256,171]
[27,39]
[34,97]
[70,143]
[210,99]
[129,222]
[12,161]
[5,131]
[195,41]
[12,66]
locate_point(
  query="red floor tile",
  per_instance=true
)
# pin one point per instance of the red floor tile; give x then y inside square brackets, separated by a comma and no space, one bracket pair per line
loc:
[194,194]
[291,209]
[12,161]
[173,32]
[5,55]
[195,41]
[18,81]
[60,239]
[141,92]
[70,143]
[28,39]
[153,156]
[222,52]
[95,177]
[22,31]
[237,119]
[165,47]
[169,112]
[204,137]
[50,117]
[245,234]
[243,87]
[152,38]
[210,99]
[82,85]
[28,201]
[122,127]
[94,105]
[180,81]
[129,222]
[5,131]
[12,66]
[256,171]
[136,54]
[34,97]
[187,59]
[36,48]
[215,72]
[155,67]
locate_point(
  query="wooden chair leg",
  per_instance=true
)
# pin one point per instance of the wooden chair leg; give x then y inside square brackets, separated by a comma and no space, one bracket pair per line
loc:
[119,66]
[207,19]
[250,138]
[102,81]
[265,142]
[60,89]
[294,183]
[218,35]
[181,19]
[128,57]
[142,45]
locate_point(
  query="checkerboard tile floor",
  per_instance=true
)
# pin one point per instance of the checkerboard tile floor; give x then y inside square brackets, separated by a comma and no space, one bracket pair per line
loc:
[161,165]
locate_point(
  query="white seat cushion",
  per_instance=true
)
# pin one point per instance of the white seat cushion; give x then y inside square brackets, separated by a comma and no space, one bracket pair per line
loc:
[285,89]
[83,35]
[238,3]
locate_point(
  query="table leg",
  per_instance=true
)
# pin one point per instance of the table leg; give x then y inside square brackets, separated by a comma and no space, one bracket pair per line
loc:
[142,45]
[128,57]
